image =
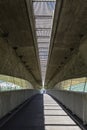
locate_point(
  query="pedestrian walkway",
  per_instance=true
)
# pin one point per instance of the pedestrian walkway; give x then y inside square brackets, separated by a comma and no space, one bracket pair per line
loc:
[42,113]
[55,118]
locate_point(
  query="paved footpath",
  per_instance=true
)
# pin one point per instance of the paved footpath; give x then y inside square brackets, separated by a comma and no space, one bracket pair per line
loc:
[42,113]
[55,117]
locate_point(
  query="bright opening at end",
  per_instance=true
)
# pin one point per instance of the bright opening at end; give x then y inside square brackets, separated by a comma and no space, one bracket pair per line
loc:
[43,84]
[43,14]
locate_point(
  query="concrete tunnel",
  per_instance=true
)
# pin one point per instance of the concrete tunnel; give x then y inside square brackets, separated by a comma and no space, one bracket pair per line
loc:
[43,48]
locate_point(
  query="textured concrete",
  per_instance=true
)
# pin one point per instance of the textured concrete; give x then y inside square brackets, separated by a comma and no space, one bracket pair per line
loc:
[11,99]
[18,49]
[18,45]
[68,55]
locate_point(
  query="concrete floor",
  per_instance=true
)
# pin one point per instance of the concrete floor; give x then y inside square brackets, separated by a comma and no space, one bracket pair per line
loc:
[55,118]
[42,113]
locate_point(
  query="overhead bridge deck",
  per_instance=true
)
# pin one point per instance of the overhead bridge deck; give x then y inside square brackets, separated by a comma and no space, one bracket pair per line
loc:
[41,113]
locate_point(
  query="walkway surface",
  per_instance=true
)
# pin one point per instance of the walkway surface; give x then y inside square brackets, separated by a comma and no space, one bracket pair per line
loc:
[42,113]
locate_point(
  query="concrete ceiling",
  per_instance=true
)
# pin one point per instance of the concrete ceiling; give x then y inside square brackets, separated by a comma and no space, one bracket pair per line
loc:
[69,28]
[66,57]
[17,27]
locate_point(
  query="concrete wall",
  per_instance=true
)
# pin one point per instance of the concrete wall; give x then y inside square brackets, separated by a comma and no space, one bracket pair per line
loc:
[11,99]
[75,101]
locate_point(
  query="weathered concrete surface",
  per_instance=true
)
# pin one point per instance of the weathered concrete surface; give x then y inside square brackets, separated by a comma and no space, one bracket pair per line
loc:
[74,68]
[11,99]
[70,28]
[75,101]
[18,47]
[10,64]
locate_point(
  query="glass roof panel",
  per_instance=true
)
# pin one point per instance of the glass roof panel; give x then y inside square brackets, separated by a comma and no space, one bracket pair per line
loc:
[43,8]
[43,32]
[43,23]
[43,49]
[42,39]
[43,45]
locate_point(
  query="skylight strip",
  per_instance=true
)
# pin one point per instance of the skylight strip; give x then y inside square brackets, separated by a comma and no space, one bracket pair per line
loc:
[43,14]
